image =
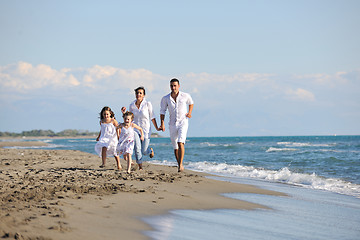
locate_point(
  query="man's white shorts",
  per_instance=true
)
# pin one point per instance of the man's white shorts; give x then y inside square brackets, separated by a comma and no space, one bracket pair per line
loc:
[178,134]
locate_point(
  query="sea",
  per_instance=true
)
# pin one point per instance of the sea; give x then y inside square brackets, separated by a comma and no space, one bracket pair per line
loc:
[320,175]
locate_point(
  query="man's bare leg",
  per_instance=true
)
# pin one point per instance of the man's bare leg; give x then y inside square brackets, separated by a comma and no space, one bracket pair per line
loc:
[176,155]
[179,154]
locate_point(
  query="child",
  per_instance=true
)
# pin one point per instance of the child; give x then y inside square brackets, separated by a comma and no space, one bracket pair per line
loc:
[108,138]
[126,140]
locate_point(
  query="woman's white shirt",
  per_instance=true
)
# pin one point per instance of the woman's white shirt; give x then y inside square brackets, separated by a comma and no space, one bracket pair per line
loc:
[143,116]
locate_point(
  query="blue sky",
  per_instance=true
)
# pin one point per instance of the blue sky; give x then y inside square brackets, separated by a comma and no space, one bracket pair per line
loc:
[253,68]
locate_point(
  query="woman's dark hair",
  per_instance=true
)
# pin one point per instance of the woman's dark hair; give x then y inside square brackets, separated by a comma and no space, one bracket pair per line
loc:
[140,88]
[112,115]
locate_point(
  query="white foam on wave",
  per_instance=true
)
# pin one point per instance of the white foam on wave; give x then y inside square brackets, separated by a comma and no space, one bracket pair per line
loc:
[306,144]
[208,144]
[283,175]
[161,144]
[272,149]
[164,162]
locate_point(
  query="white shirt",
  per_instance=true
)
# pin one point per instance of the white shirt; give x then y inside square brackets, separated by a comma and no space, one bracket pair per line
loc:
[177,109]
[143,115]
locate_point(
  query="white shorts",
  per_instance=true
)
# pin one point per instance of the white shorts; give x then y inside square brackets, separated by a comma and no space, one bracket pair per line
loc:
[178,134]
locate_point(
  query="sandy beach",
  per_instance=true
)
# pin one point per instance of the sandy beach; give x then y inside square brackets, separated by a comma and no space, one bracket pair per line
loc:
[63,194]
[22,144]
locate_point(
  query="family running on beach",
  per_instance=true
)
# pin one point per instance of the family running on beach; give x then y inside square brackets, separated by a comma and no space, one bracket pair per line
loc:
[121,138]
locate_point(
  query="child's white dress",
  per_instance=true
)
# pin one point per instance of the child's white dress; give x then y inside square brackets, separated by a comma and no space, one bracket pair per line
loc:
[108,139]
[126,141]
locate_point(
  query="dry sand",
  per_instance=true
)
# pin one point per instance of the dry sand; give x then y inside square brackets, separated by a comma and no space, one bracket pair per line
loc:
[63,194]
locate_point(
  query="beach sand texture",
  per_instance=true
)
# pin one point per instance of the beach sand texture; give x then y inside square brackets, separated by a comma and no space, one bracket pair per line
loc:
[63,194]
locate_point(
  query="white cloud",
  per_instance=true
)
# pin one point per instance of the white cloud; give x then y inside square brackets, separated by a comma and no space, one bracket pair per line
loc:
[73,81]
[26,77]
[318,78]
[349,77]
[301,95]
[330,80]
[203,78]
[244,97]
[101,72]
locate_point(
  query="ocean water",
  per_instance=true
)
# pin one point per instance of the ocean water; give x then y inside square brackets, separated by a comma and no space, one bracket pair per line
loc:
[321,175]
[304,214]
[329,163]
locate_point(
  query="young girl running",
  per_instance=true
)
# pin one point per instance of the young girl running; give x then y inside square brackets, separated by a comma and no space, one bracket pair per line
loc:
[126,141]
[108,138]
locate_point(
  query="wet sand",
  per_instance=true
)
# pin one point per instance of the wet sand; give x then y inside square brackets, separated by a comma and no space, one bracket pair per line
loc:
[63,194]
[22,144]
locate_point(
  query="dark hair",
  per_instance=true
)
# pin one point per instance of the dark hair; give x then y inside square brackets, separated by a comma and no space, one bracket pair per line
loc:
[174,80]
[112,115]
[127,113]
[140,88]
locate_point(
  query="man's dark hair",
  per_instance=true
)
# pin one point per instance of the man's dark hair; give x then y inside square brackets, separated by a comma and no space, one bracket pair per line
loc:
[174,80]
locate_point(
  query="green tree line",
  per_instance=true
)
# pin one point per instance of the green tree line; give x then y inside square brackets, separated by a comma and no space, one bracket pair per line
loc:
[49,133]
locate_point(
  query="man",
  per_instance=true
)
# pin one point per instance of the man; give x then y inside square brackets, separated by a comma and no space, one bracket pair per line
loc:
[177,103]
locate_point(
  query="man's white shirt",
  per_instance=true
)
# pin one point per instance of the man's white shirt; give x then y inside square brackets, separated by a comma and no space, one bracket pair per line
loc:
[177,109]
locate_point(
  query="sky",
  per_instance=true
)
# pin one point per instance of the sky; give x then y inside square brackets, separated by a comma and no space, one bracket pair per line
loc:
[253,68]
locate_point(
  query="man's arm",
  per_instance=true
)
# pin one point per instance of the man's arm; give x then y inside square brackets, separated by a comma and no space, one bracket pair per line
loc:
[191,106]
[162,125]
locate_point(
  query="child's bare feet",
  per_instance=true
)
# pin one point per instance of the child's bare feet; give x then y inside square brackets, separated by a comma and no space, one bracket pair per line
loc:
[102,166]
[181,168]
[152,154]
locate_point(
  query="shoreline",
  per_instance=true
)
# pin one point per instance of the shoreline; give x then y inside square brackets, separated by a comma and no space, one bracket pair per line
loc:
[63,194]
[18,139]
[4,144]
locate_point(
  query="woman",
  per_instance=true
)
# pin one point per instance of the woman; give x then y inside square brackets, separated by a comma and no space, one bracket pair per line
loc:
[143,114]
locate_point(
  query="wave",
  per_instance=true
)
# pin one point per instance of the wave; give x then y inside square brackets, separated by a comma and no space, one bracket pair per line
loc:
[283,175]
[208,144]
[272,149]
[302,144]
